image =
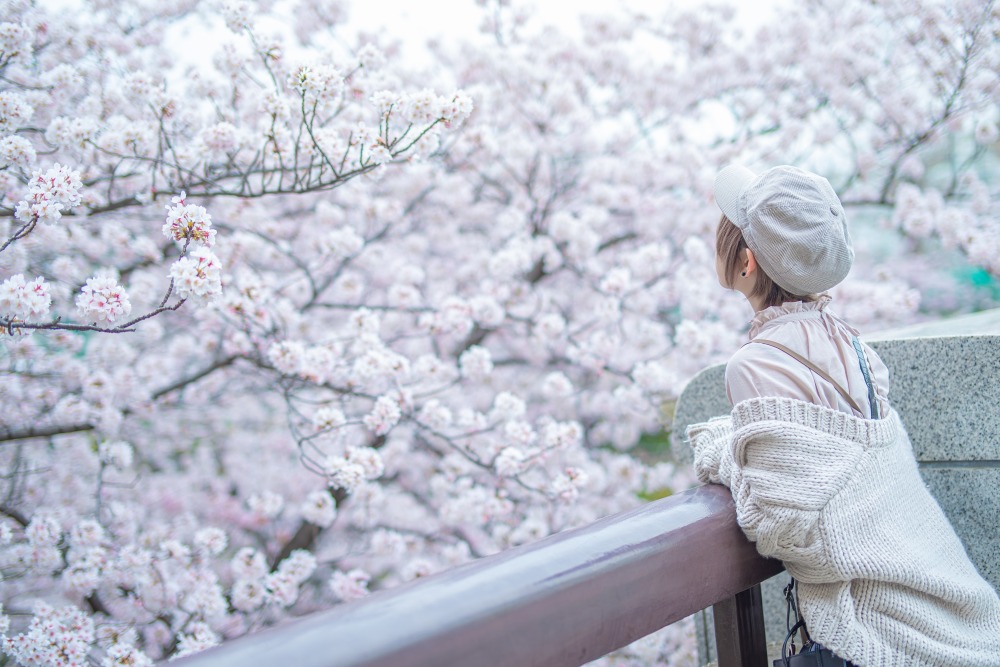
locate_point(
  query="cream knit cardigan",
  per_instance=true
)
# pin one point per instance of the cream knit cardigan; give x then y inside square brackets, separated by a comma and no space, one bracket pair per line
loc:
[883,579]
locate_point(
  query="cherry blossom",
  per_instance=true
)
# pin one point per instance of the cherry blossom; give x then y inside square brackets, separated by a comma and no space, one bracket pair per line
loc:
[199,274]
[102,299]
[304,322]
[188,222]
[25,299]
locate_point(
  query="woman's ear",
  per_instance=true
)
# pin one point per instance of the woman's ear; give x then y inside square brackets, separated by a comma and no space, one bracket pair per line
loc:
[750,264]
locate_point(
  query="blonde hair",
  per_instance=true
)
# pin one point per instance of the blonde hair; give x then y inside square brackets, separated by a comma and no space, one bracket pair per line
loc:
[729,246]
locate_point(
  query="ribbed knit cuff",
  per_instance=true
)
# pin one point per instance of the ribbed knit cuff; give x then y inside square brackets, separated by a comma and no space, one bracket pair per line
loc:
[707,440]
[870,433]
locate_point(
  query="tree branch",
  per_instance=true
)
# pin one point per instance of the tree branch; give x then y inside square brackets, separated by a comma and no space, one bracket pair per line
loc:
[33,432]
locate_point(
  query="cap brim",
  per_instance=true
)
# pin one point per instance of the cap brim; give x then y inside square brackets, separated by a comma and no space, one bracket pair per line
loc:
[728,184]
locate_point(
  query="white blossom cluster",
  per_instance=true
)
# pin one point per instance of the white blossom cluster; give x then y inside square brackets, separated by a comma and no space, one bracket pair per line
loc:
[56,636]
[188,222]
[15,42]
[18,151]
[317,83]
[198,275]
[352,585]
[49,193]
[102,300]
[15,111]
[25,299]
[426,106]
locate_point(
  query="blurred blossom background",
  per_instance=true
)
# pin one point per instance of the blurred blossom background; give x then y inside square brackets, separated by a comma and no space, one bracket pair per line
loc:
[302,299]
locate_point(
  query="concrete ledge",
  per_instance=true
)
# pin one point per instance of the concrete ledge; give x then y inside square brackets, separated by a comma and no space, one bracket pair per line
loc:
[946,391]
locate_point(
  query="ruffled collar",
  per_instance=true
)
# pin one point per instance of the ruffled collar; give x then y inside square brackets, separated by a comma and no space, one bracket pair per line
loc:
[789,307]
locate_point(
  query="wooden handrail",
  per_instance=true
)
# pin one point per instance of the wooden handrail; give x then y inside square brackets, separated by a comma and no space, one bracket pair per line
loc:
[561,601]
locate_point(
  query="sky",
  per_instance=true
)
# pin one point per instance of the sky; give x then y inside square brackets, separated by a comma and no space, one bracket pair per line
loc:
[414,23]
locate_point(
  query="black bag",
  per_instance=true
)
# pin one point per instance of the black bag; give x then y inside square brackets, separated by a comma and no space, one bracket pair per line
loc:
[812,654]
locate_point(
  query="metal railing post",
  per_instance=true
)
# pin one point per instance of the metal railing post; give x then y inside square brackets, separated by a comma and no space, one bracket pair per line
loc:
[739,630]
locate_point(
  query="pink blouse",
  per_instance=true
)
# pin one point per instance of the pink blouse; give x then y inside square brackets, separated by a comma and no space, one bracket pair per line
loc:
[814,332]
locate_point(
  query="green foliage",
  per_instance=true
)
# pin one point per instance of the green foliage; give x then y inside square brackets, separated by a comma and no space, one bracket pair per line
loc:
[656,494]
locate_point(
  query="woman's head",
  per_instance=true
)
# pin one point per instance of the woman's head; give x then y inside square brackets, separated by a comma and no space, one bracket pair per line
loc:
[733,257]
[788,221]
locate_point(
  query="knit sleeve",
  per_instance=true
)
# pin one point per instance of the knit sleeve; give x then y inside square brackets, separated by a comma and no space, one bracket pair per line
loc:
[783,475]
[710,442]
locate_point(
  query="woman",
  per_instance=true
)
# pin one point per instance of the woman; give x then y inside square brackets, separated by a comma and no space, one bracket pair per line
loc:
[819,464]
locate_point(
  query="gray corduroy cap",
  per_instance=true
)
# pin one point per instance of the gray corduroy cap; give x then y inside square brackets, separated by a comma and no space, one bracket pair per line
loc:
[793,222]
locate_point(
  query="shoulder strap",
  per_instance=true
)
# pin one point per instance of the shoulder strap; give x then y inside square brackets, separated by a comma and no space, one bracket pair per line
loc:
[863,361]
[814,368]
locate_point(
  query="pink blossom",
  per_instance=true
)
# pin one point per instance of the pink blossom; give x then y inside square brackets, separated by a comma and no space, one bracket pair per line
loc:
[59,183]
[220,139]
[509,462]
[519,433]
[319,83]
[238,15]
[341,243]
[247,595]
[87,533]
[15,41]
[125,655]
[43,531]
[287,356]
[476,363]
[188,222]
[327,418]
[557,385]
[25,299]
[211,541]
[351,585]
[420,108]
[987,131]
[282,589]
[71,132]
[371,57]
[457,107]
[248,564]
[116,454]
[55,636]
[384,101]
[318,508]
[198,275]
[102,299]
[384,415]
[48,194]
[198,638]
[267,504]
[298,566]
[344,474]
[16,150]
[435,415]
[369,459]
[506,405]
[14,109]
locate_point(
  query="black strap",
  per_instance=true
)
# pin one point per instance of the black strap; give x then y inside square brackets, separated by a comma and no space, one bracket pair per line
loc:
[863,360]
[792,610]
